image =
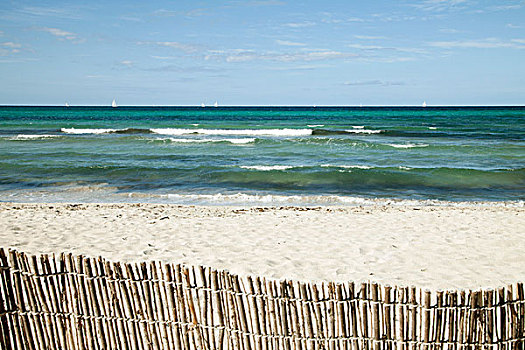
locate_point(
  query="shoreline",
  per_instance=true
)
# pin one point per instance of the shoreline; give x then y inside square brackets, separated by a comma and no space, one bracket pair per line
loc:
[434,247]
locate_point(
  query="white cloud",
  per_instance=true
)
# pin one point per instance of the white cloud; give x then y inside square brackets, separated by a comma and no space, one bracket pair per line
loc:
[61,34]
[369,37]
[289,43]
[241,55]
[12,45]
[440,5]
[488,43]
[9,47]
[188,48]
[300,24]
[126,63]
[513,26]
[373,83]
[449,31]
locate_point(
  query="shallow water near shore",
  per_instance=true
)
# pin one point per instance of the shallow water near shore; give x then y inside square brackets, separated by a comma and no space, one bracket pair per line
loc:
[269,155]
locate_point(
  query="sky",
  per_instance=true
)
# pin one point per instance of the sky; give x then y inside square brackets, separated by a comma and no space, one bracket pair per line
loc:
[263,52]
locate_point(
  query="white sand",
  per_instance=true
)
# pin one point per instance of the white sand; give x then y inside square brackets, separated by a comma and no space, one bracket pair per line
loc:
[432,247]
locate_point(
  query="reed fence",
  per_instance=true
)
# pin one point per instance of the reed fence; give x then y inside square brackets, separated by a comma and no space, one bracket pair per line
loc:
[75,302]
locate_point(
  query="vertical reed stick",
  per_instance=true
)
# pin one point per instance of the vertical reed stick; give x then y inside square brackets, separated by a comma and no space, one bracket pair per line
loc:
[363,296]
[143,335]
[255,321]
[22,302]
[172,306]
[295,308]
[353,310]
[241,311]
[400,320]
[5,301]
[426,319]
[128,311]
[117,307]
[388,313]
[307,312]
[159,301]
[32,298]
[218,308]
[107,307]
[375,316]
[318,314]
[438,318]
[341,313]
[53,295]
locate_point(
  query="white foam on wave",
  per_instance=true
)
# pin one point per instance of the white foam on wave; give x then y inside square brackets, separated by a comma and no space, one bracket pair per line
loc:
[347,166]
[322,200]
[23,137]
[86,131]
[432,127]
[267,167]
[315,125]
[234,141]
[251,132]
[358,126]
[407,145]
[364,131]
[404,167]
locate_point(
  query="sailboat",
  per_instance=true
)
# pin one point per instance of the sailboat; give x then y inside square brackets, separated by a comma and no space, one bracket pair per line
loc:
[114,104]
[215,104]
[67,104]
[203,105]
[424,104]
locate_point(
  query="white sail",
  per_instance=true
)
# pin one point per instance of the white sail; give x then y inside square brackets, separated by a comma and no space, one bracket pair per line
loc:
[114,104]
[67,104]
[424,103]
[203,105]
[216,104]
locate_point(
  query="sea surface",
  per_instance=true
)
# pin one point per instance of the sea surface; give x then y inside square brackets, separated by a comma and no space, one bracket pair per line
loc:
[254,155]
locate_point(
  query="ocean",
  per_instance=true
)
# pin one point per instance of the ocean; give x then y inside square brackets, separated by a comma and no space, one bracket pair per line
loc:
[262,155]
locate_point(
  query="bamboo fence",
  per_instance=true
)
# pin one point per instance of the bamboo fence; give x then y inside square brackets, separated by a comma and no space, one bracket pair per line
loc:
[74,302]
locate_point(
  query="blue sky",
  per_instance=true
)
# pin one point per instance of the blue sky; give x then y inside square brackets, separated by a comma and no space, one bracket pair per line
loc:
[263,52]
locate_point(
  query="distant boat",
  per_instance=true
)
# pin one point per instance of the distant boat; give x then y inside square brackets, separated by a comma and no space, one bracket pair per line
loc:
[216,104]
[203,105]
[114,104]
[67,104]
[424,104]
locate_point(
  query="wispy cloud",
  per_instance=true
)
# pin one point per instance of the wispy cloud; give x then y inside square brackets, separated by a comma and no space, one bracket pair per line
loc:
[243,55]
[387,48]
[506,7]
[191,13]
[488,43]
[61,34]
[440,5]
[369,37]
[300,24]
[9,47]
[258,3]
[449,31]
[48,11]
[373,83]
[513,26]
[289,43]
[187,48]
[126,63]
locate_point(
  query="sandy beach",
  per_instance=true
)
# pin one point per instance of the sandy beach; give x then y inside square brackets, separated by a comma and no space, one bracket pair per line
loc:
[436,247]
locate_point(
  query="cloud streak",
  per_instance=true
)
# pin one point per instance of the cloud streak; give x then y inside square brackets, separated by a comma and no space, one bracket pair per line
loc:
[488,43]
[61,34]
[376,82]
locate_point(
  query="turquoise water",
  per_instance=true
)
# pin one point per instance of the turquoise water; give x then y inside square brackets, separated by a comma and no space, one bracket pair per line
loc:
[231,155]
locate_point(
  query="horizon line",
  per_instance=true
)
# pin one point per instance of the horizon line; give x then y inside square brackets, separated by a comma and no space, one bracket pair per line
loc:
[278,105]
